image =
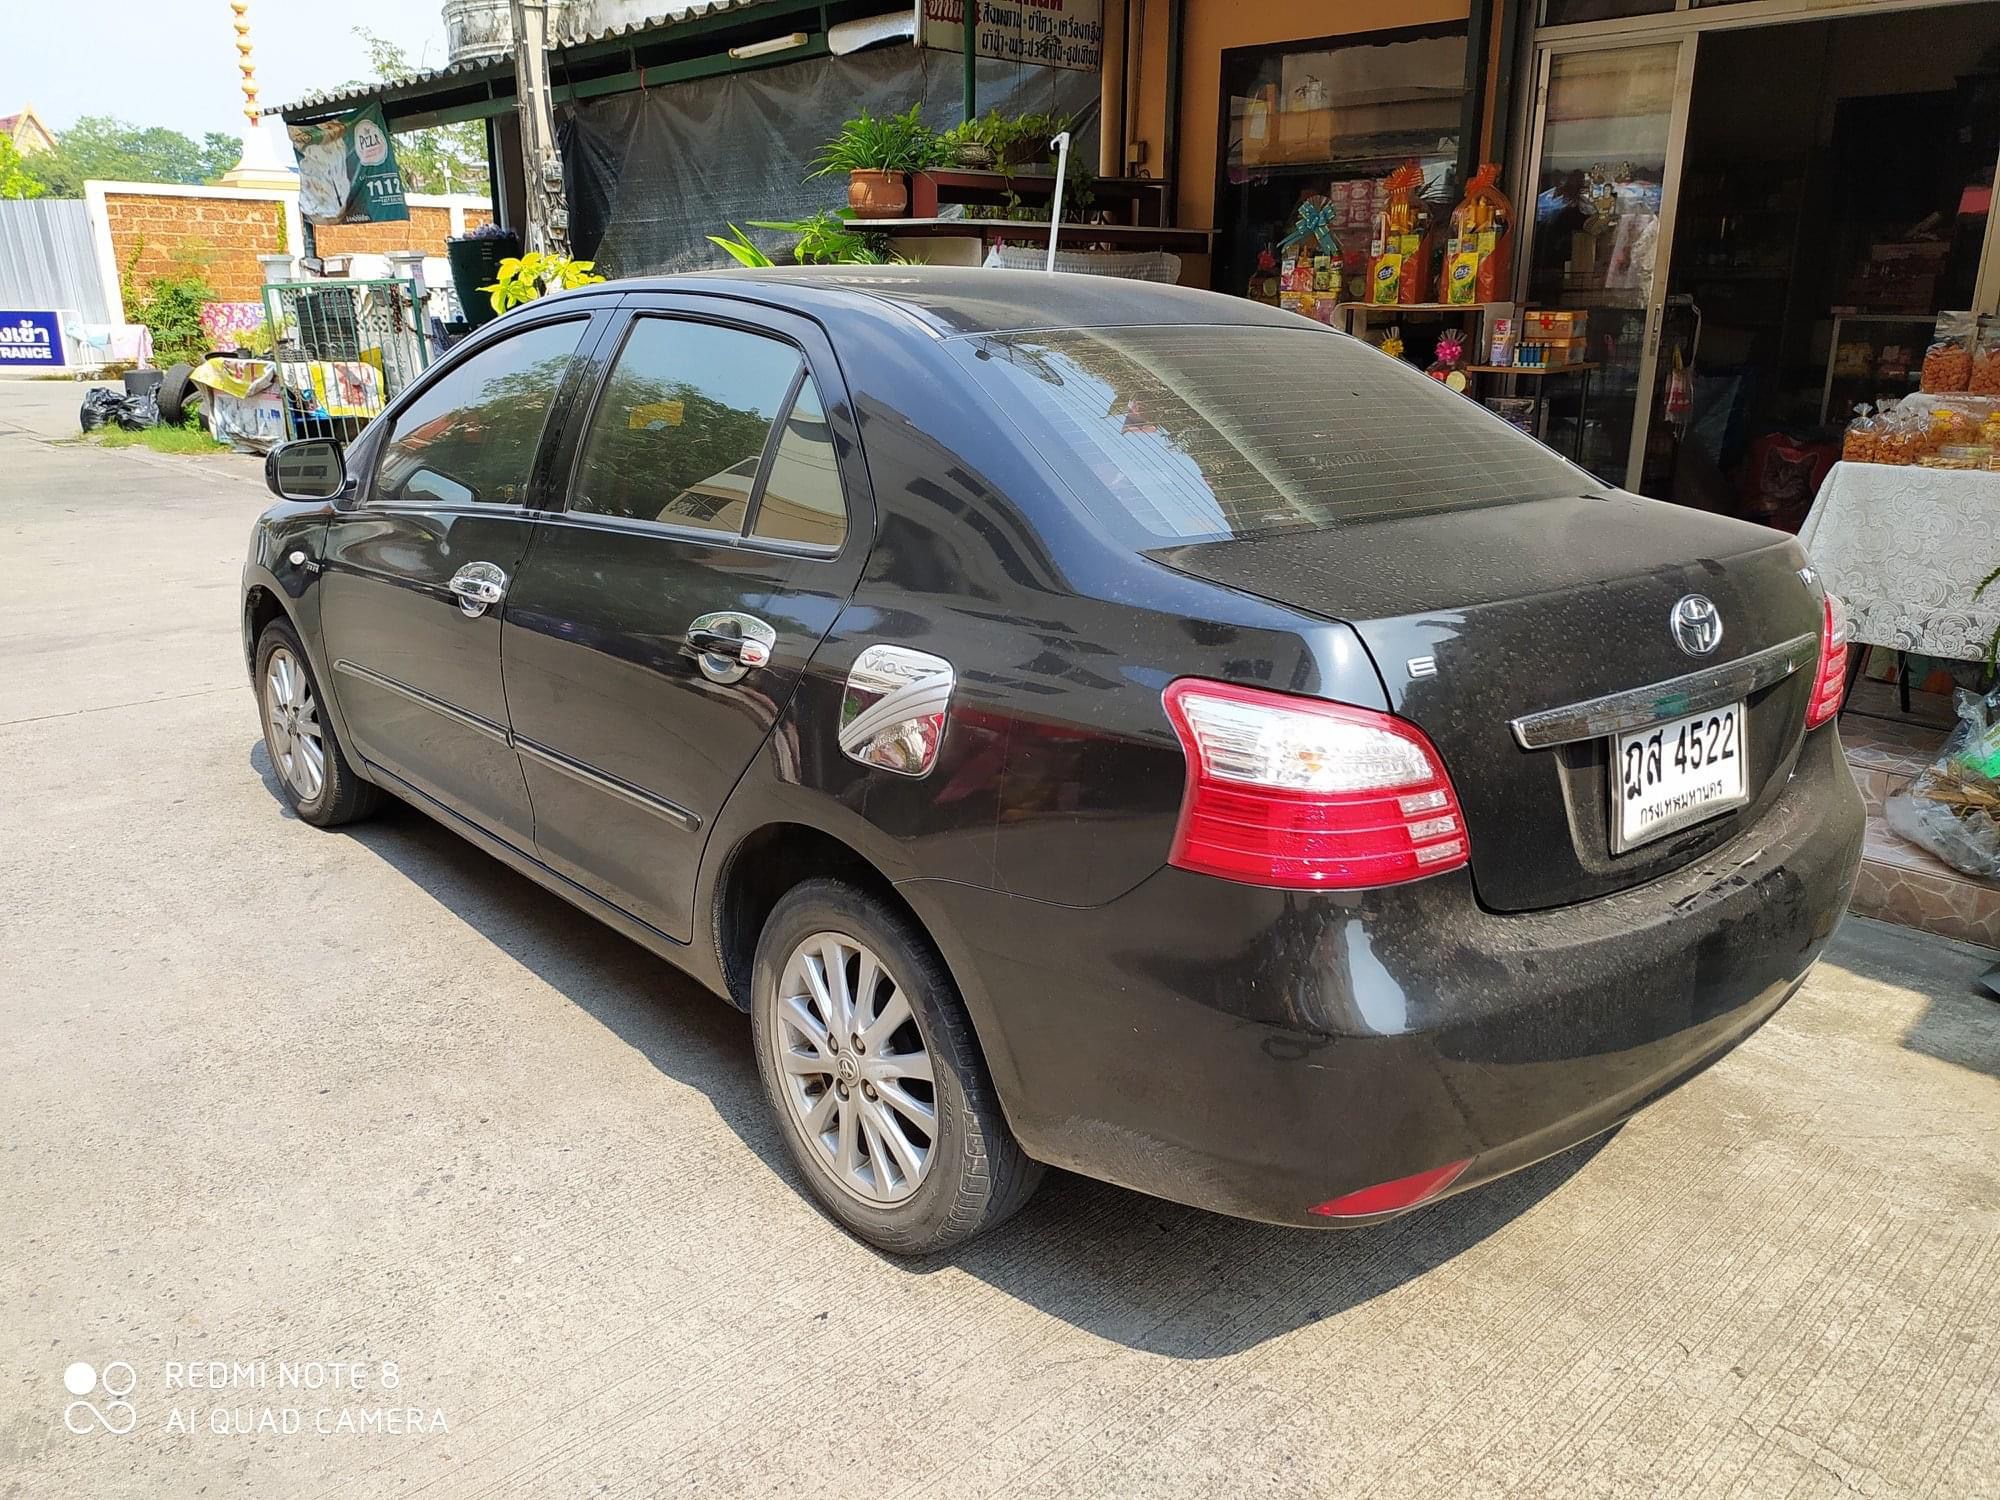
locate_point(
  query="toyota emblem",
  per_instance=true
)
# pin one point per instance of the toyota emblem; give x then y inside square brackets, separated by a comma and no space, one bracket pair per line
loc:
[1697,625]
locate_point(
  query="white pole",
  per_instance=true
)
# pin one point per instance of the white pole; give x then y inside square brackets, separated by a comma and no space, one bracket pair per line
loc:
[1061,143]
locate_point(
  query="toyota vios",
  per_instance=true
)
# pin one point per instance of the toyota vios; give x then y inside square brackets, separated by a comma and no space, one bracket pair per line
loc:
[1088,724]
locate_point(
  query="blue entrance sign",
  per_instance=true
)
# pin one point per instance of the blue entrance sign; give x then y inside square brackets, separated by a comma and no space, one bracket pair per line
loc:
[31,338]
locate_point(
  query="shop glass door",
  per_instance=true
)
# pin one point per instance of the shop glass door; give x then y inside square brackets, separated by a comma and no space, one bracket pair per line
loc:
[1610,122]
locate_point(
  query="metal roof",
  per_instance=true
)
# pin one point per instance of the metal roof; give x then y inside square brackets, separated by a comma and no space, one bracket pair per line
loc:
[480,69]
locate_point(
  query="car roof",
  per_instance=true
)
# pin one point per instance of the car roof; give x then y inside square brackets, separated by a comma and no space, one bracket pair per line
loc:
[955,300]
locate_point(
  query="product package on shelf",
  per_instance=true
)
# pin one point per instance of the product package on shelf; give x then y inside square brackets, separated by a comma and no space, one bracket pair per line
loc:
[1948,360]
[1399,261]
[1985,378]
[1479,258]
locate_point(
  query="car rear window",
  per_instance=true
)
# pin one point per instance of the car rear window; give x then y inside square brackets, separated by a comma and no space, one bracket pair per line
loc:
[1203,432]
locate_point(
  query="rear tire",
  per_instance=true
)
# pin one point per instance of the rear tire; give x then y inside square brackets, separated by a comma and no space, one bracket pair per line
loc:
[894,1125]
[314,775]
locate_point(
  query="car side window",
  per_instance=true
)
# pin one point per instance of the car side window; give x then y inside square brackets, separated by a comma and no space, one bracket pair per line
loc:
[471,437]
[680,431]
[802,499]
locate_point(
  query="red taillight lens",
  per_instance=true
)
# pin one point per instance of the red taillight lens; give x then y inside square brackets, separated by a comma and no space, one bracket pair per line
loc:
[1387,1197]
[1830,681]
[1308,795]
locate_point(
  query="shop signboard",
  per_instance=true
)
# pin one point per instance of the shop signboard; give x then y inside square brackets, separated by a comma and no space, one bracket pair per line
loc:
[1052,33]
[347,170]
[31,339]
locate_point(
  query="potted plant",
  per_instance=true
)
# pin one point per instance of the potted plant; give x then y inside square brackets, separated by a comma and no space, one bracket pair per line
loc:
[878,154]
[475,264]
[524,278]
[977,144]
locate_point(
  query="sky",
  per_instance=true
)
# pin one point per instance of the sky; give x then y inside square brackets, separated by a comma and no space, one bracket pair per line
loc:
[173,62]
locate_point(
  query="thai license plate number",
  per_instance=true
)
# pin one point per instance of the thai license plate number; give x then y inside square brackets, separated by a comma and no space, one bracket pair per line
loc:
[1673,774]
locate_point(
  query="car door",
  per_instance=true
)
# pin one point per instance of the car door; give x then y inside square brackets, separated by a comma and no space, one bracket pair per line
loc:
[415,575]
[715,521]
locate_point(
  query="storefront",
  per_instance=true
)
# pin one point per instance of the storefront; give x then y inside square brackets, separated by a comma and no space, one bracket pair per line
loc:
[1760,209]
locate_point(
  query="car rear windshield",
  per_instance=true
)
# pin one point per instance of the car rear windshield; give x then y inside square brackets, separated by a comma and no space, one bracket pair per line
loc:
[1209,432]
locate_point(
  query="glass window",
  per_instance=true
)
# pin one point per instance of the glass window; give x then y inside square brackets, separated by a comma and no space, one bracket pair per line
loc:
[472,437]
[1179,434]
[1329,123]
[802,500]
[680,430]
[1564,12]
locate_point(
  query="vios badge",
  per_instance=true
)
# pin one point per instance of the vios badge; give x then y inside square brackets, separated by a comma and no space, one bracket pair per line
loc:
[1697,625]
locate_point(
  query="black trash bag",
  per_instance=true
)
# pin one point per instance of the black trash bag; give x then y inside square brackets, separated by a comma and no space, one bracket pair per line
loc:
[99,403]
[137,413]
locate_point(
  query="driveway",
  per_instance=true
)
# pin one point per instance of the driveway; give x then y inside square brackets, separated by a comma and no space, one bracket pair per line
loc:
[366,1109]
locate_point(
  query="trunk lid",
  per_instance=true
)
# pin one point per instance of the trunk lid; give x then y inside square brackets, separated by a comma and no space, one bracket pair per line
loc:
[1480,616]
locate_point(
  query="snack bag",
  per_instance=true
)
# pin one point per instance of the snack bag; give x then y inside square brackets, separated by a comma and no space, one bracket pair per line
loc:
[1861,444]
[1948,361]
[1950,807]
[1985,379]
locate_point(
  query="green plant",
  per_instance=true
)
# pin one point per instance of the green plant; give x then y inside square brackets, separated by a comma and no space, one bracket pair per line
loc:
[828,239]
[170,306]
[741,249]
[524,278]
[888,143]
[1993,642]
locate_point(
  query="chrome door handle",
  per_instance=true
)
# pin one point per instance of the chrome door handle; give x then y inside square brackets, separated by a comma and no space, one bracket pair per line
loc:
[728,644]
[479,586]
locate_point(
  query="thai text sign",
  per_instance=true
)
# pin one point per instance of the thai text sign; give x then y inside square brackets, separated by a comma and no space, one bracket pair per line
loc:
[1053,33]
[31,338]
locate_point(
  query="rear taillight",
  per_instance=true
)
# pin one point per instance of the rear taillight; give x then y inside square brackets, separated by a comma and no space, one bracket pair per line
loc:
[1830,680]
[1308,795]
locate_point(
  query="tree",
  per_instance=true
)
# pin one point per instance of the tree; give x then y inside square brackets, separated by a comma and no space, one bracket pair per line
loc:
[99,146]
[16,181]
[442,159]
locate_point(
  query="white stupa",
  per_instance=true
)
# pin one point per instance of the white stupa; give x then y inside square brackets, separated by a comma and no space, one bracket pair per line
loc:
[261,166]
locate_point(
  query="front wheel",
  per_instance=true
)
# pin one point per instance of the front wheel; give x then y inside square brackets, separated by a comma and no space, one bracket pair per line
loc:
[313,771]
[869,1061]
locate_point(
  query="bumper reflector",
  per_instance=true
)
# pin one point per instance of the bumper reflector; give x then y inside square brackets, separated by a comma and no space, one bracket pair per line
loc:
[1388,1197]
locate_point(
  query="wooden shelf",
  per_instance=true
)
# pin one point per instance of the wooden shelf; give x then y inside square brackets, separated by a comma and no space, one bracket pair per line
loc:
[1126,236]
[1143,198]
[1568,369]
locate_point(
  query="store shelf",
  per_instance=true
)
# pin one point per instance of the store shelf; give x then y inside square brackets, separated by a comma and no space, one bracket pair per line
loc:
[1125,236]
[1573,367]
[1144,197]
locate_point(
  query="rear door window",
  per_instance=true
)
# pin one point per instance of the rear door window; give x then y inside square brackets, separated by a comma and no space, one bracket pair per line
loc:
[471,437]
[679,435]
[1205,433]
[802,500]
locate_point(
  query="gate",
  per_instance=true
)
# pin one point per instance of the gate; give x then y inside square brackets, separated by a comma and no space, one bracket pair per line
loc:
[343,350]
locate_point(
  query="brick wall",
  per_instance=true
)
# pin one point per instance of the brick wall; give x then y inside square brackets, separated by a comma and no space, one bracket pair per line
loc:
[221,238]
[427,229]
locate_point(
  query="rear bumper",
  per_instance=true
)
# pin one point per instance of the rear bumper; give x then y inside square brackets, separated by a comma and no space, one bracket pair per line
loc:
[1258,1052]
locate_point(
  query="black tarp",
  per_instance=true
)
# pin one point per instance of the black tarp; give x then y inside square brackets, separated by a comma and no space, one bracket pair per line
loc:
[652,173]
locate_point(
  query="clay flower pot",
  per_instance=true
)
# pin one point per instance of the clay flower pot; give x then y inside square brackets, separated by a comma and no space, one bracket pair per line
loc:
[878,195]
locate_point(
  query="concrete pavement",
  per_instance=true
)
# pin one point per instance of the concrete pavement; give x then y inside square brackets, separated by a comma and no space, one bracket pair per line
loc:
[279,1102]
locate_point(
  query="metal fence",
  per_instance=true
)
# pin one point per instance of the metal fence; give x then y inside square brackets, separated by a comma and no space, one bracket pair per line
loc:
[48,258]
[344,350]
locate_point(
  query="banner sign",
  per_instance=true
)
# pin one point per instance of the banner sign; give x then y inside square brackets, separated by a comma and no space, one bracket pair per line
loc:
[32,338]
[347,170]
[1054,33]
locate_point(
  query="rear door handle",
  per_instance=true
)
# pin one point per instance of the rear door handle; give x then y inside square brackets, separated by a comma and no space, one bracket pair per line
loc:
[479,586]
[728,644]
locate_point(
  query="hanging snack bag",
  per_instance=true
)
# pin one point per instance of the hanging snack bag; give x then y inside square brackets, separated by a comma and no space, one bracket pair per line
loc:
[1948,361]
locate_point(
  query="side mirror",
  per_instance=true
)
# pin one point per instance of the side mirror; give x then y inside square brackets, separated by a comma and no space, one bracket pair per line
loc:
[307,469]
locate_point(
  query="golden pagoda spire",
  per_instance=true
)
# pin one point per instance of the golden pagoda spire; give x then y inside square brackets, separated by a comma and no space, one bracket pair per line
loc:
[243,64]
[260,166]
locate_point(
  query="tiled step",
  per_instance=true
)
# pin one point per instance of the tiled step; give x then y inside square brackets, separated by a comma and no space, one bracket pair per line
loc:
[1900,882]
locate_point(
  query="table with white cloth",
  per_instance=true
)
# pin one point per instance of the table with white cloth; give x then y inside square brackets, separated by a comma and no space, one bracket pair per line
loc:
[1904,547]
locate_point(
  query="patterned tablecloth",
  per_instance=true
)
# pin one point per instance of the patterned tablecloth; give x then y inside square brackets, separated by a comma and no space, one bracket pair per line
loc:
[1904,548]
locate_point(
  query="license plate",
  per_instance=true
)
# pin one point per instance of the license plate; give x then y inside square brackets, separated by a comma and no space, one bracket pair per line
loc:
[1667,776]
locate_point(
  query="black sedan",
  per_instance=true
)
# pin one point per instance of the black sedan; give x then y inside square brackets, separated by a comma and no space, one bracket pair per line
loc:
[1089,724]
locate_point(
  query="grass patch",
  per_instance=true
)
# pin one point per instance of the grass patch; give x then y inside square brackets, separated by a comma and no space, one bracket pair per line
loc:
[190,439]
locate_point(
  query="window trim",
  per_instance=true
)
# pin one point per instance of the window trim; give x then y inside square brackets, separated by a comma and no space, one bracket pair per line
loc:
[734,541]
[371,500]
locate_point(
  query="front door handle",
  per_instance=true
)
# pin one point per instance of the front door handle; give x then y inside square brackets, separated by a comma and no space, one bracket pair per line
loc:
[728,644]
[479,586]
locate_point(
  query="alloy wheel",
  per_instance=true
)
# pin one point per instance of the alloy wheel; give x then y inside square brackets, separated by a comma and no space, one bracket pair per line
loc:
[291,718]
[856,1074]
